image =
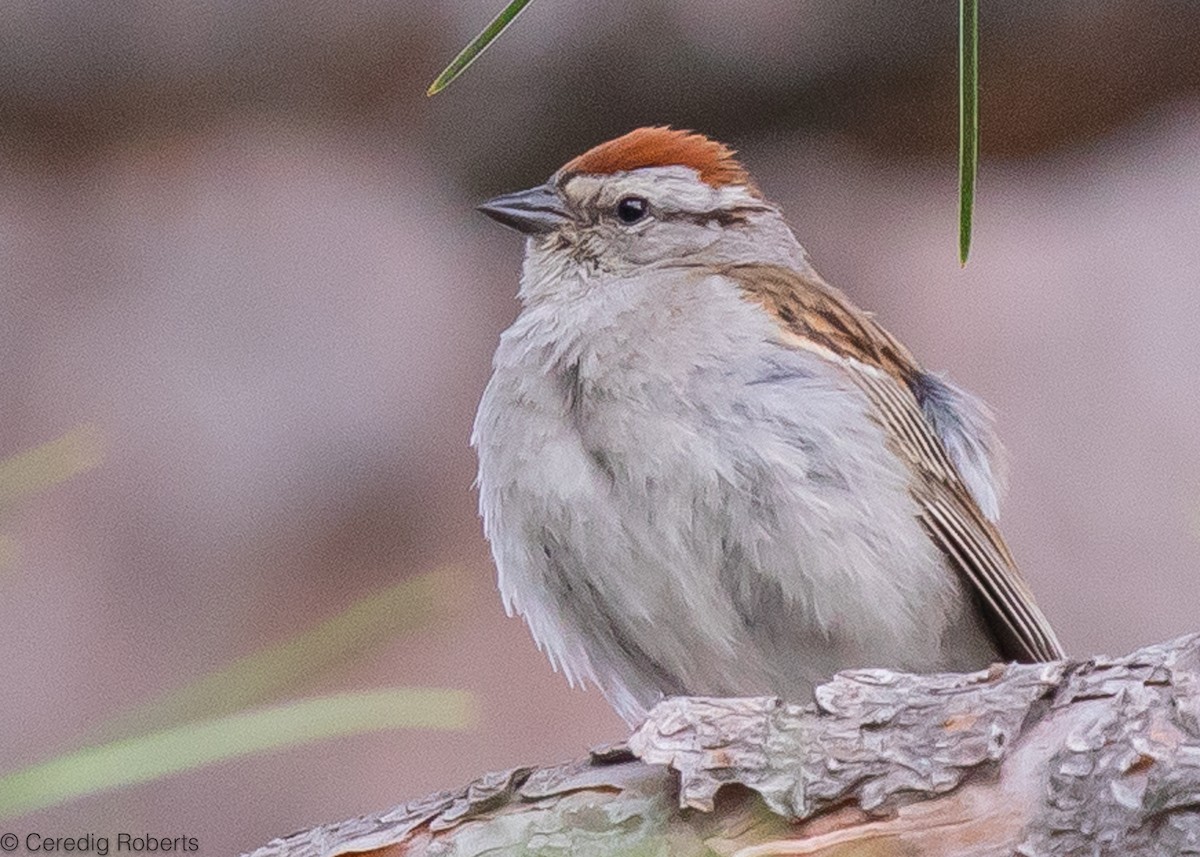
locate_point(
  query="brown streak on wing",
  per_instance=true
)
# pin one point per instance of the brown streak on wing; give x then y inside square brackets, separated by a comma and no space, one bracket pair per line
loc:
[808,307]
[815,316]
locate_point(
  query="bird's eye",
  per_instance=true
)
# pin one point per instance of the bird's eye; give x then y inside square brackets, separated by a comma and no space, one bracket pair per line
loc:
[631,209]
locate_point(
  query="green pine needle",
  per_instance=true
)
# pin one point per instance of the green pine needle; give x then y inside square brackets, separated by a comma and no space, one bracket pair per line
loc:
[478,45]
[968,120]
[192,745]
[289,664]
[79,450]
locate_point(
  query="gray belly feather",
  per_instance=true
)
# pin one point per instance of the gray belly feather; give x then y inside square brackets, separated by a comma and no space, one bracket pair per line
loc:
[752,545]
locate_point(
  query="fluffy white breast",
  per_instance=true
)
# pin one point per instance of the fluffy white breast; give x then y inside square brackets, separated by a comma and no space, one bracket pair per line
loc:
[678,504]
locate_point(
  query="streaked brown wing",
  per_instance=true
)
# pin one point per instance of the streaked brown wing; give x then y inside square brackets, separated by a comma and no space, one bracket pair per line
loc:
[955,523]
[815,316]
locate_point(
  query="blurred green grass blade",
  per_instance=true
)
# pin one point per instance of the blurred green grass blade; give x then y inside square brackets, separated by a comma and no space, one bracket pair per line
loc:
[183,748]
[478,45]
[77,451]
[306,657]
[968,120]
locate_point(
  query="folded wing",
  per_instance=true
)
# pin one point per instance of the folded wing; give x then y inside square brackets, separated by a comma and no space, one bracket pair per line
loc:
[944,451]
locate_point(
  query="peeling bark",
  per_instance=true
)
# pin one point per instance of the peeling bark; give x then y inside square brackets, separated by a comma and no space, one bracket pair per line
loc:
[1099,757]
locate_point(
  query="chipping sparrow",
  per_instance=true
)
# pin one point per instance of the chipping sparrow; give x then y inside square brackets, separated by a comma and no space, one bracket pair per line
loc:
[703,471]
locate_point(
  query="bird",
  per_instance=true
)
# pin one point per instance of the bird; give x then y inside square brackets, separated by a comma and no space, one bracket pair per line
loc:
[703,471]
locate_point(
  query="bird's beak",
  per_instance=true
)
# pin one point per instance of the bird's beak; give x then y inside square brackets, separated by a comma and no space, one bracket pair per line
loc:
[533,212]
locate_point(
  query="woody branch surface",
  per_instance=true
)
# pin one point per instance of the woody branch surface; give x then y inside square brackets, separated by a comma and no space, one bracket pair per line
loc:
[1099,757]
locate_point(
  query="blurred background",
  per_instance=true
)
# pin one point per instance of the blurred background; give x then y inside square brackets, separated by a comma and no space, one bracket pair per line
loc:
[245,298]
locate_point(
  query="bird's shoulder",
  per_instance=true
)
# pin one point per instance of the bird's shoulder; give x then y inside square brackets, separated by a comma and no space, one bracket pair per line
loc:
[815,315]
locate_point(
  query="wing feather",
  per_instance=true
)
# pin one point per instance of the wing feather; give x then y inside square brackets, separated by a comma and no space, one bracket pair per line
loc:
[814,316]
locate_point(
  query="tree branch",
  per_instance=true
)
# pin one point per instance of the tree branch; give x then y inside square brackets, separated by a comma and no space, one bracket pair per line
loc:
[1096,757]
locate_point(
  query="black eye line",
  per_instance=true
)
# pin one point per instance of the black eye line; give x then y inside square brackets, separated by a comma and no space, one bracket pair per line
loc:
[723,216]
[732,216]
